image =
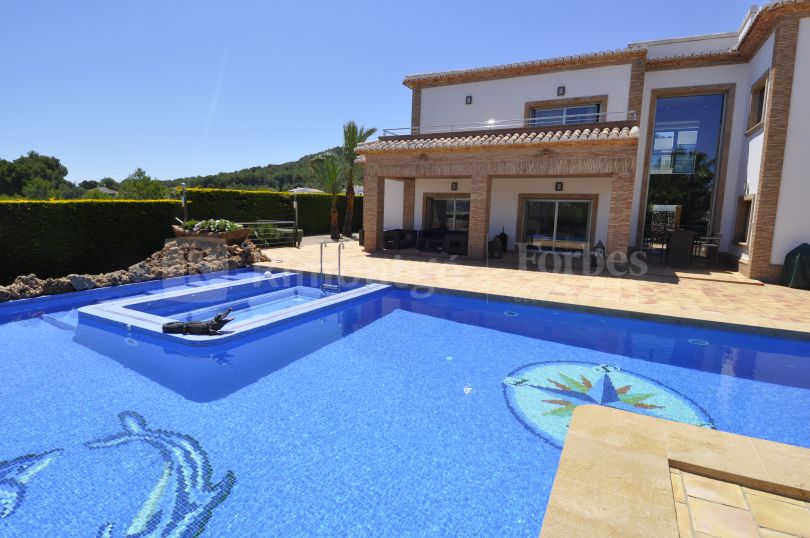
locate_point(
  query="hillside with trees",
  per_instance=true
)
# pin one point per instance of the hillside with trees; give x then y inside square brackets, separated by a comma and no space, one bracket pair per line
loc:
[40,177]
[277,177]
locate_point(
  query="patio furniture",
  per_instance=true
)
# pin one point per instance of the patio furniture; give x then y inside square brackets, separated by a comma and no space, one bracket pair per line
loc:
[398,239]
[708,247]
[430,239]
[441,240]
[495,248]
[274,233]
[456,243]
[661,219]
[679,248]
[796,269]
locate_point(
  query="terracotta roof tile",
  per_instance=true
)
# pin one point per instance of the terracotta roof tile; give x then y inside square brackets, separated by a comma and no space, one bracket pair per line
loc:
[508,139]
[518,68]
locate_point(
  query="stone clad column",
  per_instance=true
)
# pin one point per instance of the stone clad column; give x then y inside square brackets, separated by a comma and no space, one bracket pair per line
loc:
[373,211]
[480,191]
[408,203]
[777,112]
[621,206]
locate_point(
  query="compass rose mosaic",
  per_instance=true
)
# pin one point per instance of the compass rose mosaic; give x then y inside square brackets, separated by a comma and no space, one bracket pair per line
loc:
[542,396]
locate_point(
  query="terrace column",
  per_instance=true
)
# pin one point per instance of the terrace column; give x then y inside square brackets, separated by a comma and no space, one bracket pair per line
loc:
[408,202]
[480,190]
[777,112]
[373,211]
[621,205]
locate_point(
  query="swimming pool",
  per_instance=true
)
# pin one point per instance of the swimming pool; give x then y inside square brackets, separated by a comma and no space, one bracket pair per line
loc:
[394,414]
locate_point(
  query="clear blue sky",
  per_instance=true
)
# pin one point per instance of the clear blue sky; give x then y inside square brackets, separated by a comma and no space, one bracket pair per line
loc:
[183,88]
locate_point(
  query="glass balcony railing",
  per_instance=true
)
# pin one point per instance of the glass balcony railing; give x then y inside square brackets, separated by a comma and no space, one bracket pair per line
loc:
[540,122]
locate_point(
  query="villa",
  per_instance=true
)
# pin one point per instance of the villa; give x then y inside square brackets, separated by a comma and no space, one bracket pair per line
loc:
[238,373]
[704,134]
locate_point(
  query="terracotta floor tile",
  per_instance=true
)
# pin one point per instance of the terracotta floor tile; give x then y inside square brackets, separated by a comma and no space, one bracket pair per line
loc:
[683,294]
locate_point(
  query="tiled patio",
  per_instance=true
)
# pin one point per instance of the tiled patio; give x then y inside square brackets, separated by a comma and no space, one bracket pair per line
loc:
[704,295]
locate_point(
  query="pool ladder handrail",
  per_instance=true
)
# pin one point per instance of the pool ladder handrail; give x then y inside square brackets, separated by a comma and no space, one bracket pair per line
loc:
[323,285]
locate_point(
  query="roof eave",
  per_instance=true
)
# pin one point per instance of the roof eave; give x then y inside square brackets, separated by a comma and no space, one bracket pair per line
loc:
[596,59]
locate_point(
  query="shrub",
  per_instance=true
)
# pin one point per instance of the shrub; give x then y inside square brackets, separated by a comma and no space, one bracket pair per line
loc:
[251,206]
[56,238]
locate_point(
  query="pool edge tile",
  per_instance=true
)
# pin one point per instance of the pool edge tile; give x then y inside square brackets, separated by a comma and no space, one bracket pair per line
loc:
[577,503]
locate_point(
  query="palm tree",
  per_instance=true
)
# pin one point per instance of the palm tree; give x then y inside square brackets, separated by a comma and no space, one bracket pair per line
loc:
[328,170]
[352,136]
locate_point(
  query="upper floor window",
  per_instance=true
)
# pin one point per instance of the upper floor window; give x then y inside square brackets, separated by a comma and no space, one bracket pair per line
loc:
[567,115]
[756,112]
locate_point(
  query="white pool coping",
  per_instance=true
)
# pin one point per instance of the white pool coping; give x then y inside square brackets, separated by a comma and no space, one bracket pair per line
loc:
[120,312]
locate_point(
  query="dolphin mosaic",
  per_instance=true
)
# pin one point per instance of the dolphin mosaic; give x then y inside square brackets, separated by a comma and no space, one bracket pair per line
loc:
[14,477]
[183,498]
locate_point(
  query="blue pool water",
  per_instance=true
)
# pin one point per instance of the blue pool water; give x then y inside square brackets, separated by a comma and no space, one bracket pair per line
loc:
[265,304]
[392,415]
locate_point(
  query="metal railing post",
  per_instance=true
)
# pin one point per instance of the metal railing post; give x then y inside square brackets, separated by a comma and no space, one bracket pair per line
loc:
[320,277]
[341,246]
[295,224]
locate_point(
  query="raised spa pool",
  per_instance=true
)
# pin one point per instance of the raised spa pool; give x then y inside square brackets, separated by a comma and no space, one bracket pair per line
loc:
[246,308]
[387,413]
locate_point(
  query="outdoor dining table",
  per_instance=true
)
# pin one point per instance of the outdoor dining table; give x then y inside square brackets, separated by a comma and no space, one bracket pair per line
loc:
[679,247]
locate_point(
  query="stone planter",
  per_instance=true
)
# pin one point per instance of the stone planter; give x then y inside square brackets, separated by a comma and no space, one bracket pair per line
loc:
[235,237]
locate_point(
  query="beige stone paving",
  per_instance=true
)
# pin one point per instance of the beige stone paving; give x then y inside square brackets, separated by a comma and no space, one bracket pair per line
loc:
[623,474]
[714,297]
[706,506]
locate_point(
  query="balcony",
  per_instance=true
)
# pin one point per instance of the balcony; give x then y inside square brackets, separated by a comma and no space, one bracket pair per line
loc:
[549,123]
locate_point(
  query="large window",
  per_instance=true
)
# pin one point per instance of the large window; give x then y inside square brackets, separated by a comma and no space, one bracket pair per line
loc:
[448,214]
[567,115]
[684,150]
[557,225]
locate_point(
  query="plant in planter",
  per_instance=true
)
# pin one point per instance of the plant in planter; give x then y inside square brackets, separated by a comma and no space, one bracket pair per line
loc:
[232,232]
[211,225]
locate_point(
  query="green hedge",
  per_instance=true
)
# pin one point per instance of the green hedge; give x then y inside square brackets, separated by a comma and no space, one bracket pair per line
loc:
[245,206]
[56,238]
[60,237]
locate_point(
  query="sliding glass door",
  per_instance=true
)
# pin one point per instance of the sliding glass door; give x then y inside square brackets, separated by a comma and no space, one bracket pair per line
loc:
[451,214]
[557,225]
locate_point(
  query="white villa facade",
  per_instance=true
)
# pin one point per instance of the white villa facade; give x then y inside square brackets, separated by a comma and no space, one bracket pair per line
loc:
[708,133]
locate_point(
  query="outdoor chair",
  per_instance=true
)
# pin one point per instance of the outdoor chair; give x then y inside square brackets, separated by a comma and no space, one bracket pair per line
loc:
[709,247]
